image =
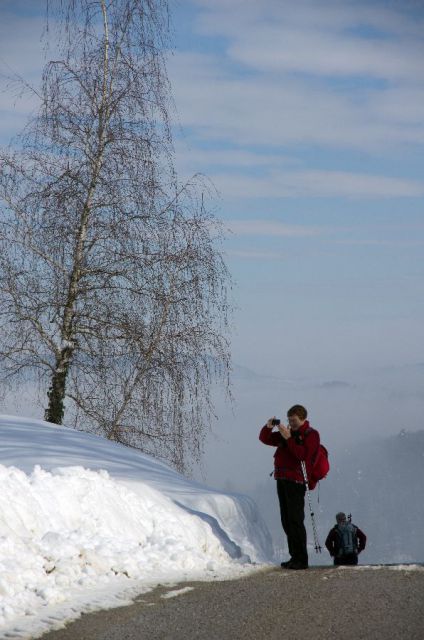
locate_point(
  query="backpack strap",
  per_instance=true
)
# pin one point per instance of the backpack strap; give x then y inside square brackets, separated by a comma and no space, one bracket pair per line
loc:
[307,431]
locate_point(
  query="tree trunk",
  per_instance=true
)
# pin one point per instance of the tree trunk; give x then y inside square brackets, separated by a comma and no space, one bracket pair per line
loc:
[56,393]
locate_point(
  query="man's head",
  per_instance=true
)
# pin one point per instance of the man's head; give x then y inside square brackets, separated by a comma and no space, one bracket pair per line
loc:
[296,416]
[341,518]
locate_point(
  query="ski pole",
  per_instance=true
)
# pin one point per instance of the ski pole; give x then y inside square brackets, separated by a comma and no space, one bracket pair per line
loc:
[314,529]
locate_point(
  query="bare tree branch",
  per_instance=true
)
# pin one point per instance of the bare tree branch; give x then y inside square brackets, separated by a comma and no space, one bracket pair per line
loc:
[114,293]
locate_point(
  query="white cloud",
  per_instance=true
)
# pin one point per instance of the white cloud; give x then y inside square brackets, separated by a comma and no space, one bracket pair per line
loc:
[382,243]
[21,48]
[191,158]
[21,62]
[399,105]
[369,235]
[280,49]
[323,38]
[270,228]
[339,183]
[292,184]
[277,110]
[304,73]
[233,19]
[256,255]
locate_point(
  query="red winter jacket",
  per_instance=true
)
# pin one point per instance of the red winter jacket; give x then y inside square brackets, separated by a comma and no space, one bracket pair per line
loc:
[290,452]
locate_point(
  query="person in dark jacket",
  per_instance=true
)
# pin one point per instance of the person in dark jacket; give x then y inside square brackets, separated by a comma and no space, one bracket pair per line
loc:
[345,541]
[296,442]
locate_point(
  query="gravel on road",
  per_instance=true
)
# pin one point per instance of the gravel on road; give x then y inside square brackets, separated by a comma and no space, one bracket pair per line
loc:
[353,603]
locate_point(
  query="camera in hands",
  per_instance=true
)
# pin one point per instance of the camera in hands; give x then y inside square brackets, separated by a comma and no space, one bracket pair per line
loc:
[276,422]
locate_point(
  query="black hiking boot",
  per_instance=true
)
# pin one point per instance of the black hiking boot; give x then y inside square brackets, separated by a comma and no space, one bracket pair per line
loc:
[296,566]
[285,564]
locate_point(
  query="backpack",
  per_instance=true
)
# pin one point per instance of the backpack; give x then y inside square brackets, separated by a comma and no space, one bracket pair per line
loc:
[347,539]
[320,465]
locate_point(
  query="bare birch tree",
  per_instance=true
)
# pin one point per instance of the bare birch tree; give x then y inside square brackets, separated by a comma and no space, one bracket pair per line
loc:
[113,287]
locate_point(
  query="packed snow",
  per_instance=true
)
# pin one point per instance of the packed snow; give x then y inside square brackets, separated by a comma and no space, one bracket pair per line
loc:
[87,524]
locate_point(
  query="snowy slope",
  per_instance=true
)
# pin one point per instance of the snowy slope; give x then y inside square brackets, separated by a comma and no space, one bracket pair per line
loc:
[86,523]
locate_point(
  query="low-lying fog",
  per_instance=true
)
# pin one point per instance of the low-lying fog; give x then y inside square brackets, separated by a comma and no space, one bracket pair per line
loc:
[373,429]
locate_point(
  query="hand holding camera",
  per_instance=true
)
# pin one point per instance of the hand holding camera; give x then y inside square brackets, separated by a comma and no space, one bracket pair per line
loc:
[276,422]
[273,422]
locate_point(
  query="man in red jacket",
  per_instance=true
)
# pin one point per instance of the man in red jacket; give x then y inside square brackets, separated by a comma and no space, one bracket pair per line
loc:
[296,442]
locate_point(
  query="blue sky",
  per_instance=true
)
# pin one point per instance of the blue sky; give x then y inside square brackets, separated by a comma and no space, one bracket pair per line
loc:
[308,117]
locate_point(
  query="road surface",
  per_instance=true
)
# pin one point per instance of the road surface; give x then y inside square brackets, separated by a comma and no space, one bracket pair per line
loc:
[272,604]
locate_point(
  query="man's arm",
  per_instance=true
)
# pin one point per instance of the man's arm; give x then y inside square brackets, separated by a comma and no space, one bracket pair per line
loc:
[268,436]
[329,543]
[362,539]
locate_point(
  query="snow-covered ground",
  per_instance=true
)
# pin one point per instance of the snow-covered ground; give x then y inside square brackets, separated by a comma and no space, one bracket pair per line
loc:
[86,524]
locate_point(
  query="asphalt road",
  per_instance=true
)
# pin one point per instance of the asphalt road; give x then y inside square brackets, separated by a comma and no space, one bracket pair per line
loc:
[317,604]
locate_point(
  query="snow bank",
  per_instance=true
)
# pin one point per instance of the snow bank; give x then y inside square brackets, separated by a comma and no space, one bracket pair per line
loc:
[85,522]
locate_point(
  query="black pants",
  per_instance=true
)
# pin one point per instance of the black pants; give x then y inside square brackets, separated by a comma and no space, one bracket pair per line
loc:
[291,496]
[347,558]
